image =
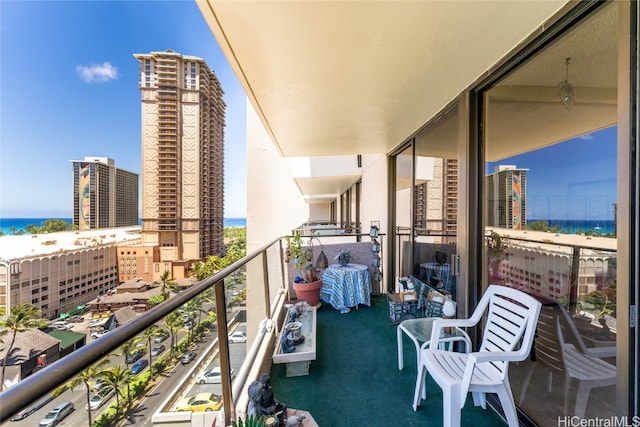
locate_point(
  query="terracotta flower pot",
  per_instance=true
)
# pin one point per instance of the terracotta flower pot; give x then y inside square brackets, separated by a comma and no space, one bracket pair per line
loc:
[309,292]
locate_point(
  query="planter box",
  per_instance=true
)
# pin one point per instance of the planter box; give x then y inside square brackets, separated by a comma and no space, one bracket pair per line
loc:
[298,361]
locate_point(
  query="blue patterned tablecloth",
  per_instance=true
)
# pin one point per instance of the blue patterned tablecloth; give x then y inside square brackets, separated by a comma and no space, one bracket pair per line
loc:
[346,286]
[440,274]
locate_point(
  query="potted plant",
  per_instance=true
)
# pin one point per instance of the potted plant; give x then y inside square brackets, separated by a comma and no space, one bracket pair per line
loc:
[307,285]
[496,252]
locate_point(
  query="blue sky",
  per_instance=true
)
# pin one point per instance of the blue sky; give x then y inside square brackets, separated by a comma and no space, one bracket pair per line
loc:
[69,89]
[575,179]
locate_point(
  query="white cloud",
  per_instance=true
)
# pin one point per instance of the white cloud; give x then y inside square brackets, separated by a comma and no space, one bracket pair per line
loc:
[586,137]
[97,73]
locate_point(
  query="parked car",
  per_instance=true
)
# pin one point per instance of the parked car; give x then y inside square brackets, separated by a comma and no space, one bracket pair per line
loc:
[238,336]
[139,366]
[157,349]
[61,325]
[133,357]
[159,338]
[200,402]
[100,398]
[57,414]
[98,334]
[212,376]
[188,357]
[96,322]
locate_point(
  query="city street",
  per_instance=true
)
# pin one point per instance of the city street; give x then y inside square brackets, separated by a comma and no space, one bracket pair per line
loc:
[141,415]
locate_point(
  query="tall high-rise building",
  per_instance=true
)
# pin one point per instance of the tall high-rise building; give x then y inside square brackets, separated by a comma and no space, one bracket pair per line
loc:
[506,190]
[436,200]
[183,120]
[104,196]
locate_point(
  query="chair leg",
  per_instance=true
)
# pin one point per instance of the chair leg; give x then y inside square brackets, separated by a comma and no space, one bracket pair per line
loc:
[451,408]
[479,399]
[508,406]
[420,386]
[525,382]
[582,397]
[567,394]
[400,350]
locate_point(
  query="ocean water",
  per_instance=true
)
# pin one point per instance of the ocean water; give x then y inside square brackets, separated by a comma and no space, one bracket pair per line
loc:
[572,226]
[21,223]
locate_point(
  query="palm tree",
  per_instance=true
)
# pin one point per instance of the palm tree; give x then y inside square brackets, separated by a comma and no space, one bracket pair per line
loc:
[174,322]
[129,348]
[166,284]
[83,377]
[120,379]
[208,296]
[22,318]
[148,336]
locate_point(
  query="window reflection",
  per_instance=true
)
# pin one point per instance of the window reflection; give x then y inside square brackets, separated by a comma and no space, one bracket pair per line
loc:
[550,207]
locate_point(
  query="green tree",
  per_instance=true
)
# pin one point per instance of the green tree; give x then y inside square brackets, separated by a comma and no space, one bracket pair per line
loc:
[13,230]
[155,300]
[211,265]
[119,379]
[236,249]
[129,348]
[174,323]
[50,226]
[22,318]
[206,297]
[543,226]
[167,284]
[148,336]
[84,377]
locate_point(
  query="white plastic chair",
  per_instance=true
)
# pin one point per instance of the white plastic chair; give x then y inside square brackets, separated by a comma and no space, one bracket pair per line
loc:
[580,364]
[511,320]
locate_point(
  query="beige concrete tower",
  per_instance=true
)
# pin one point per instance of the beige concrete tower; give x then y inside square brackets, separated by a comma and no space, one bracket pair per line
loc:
[183,119]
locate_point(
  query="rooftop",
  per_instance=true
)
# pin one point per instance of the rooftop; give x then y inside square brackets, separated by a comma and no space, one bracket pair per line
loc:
[30,245]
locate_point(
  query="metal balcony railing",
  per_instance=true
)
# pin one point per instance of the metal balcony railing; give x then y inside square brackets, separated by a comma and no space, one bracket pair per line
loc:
[263,269]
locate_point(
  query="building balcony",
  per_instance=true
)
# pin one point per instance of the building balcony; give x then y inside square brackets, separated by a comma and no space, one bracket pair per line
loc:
[353,380]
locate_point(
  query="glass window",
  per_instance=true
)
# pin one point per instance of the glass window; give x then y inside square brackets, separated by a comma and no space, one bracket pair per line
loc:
[550,200]
[403,200]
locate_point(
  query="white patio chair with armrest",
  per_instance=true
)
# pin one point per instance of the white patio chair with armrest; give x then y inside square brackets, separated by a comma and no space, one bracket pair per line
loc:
[587,370]
[510,322]
[578,362]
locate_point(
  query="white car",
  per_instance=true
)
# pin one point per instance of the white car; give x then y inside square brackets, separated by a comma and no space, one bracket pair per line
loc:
[157,349]
[212,376]
[100,398]
[238,336]
[98,334]
[96,322]
[61,325]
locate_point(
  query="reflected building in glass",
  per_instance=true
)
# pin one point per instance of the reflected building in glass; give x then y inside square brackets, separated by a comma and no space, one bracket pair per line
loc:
[507,198]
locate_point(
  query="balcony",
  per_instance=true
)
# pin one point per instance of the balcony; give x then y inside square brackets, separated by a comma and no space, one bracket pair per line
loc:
[355,379]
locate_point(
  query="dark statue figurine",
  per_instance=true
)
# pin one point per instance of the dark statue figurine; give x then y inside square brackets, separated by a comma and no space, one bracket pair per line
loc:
[262,402]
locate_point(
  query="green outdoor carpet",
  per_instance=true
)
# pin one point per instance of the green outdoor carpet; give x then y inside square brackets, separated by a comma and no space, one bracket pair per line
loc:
[355,380]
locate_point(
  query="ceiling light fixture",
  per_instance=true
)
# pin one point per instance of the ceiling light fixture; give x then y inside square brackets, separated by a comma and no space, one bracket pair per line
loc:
[566,91]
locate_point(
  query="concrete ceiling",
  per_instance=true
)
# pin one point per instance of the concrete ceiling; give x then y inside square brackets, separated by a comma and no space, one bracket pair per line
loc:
[359,77]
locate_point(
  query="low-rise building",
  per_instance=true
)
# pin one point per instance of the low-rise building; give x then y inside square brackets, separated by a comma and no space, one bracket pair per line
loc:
[59,271]
[31,351]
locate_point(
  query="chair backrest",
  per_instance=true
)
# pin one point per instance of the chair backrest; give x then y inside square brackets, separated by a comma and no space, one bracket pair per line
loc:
[511,321]
[547,344]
